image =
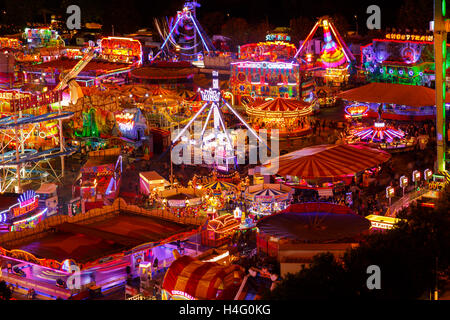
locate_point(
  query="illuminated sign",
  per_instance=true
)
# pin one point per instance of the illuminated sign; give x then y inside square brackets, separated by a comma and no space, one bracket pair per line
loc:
[182,294]
[210,95]
[382,222]
[127,49]
[357,110]
[278,37]
[416,175]
[409,37]
[35,101]
[27,203]
[403,181]
[125,121]
[265,65]
[379,125]
[390,192]
[427,174]
[13,94]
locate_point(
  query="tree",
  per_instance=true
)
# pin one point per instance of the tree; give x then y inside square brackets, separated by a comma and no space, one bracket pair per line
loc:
[415,14]
[237,29]
[212,22]
[300,28]
[5,292]
[410,256]
[258,32]
[324,279]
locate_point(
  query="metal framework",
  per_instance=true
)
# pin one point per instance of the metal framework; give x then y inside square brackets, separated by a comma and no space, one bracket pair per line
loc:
[321,23]
[185,18]
[440,54]
[26,163]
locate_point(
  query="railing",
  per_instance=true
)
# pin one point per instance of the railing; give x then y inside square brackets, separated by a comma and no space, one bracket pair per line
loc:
[404,201]
[37,286]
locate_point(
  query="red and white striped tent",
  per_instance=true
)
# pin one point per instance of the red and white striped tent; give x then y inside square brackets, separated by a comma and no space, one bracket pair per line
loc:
[191,279]
[327,161]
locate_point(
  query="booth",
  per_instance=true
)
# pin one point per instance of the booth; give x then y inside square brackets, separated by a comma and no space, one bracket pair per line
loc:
[132,124]
[151,180]
[20,211]
[264,199]
[220,230]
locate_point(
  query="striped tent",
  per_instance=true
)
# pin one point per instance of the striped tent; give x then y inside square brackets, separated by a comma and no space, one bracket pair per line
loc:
[280,108]
[185,94]
[219,185]
[268,192]
[327,161]
[163,92]
[197,97]
[188,278]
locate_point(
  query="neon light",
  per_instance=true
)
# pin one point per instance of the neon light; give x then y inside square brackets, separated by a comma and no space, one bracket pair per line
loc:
[409,37]
[264,65]
[182,294]
[31,218]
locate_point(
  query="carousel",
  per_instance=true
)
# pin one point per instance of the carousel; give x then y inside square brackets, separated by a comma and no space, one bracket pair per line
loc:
[288,115]
[383,135]
[183,201]
[264,199]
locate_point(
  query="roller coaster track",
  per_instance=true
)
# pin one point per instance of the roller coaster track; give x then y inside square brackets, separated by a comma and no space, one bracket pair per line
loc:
[14,121]
[31,155]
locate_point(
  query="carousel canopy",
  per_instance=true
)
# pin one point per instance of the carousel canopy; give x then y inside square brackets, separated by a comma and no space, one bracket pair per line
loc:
[315,222]
[202,280]
[268,191]
[163,92]
[326,161]
[280,108]
[400,94]
[222,185]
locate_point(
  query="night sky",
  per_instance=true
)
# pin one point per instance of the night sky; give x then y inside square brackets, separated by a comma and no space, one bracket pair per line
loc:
[140,13]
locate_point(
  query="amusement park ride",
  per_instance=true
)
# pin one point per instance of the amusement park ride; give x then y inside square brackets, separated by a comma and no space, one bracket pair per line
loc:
[218,139]
[184,37]
[335,56]
[27,163]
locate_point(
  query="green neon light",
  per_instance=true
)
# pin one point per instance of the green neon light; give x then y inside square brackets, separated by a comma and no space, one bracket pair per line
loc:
[444,8]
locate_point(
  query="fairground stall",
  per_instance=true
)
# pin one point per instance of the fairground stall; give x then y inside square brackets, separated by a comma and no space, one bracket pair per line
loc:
[123,50]
[216,282]
[42,37]
[132,125]
[220,230]
[265,199]
[289,116]
[393,101]
[32,134]
[20,211]
[151,181]
[99,179]
[406,58]
[265,70]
